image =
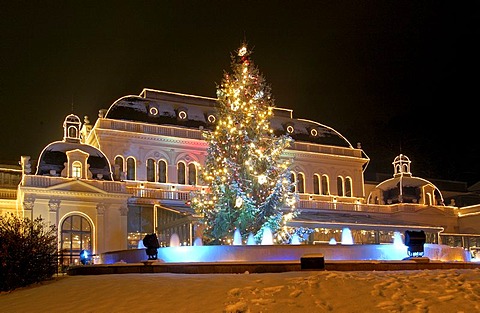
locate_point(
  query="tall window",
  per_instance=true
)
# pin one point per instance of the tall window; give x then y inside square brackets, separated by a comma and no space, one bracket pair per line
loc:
[325,185]
[316,184]
[118,167]
[340,190]
[77,169]
[348,187]
[151,170]
[162,171]
[293,179]
[181,173]
[76,235]
[300,183]
[139,223]
[192,174]
[131,170]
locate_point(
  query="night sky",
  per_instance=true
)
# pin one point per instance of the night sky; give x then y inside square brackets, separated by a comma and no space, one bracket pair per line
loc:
[397,76]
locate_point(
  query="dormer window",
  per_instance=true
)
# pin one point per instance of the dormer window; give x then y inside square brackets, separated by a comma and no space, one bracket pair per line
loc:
[313,132]
[77,166]
[211,118]
[290,129]
[77,169]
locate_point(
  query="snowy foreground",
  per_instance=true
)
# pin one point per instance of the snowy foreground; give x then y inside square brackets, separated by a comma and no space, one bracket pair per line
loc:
[443,291]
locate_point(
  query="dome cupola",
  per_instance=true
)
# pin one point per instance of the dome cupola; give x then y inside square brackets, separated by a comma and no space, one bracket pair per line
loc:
[71,128]
[72,159]
[405,188]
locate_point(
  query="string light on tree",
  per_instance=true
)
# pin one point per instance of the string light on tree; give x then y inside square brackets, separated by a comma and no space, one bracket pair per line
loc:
[244,169]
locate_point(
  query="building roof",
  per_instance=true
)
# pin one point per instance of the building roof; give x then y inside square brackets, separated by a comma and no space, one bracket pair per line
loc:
[403,186]
[167,108]
[54,157]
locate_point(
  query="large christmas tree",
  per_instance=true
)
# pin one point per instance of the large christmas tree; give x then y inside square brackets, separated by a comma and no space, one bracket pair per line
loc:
[248,181]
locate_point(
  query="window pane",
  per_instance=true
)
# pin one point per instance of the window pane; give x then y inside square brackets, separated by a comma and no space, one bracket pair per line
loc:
[86,242]
[67,224]
[131,168]
[340,186]
[300,183]
[162,172]
[181,173]
[325,188]
[77,170]
[316,185]
[192,174]
[118,168]
[348,187]
[85,225]
[140,220]
[76,222]
[293,180]
[150,170]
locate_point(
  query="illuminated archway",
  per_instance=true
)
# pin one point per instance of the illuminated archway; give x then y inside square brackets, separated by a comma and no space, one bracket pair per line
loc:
[76,234]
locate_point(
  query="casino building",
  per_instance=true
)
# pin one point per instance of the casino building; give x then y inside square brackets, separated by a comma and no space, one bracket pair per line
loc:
[105,186]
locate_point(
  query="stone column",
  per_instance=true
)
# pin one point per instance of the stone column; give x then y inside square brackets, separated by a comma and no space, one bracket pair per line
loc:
[100,229]
[123,220]
[54,207]
[28,203]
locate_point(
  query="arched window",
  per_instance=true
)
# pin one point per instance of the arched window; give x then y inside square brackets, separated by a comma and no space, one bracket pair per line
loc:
[192,174]
[76,235]
[181,173]
[300,183]
[293,179]
[348,187]
[162,171]
[131,169]
[77,169]
[325,185]
[118,168]
[151,170]
[340,190]
[316,184]
[72,132]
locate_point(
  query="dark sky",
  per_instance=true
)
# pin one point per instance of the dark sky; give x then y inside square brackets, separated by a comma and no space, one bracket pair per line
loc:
[397,76]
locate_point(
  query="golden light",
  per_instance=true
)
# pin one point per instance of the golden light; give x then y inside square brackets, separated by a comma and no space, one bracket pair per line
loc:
[238,202]
[262,179]
[242,51]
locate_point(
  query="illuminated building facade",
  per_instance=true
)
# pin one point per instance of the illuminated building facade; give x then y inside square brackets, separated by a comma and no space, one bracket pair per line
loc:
[133,172]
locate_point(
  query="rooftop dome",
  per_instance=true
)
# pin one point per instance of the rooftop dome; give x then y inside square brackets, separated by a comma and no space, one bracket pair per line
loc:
[54,157]
[405,188]
[167,108]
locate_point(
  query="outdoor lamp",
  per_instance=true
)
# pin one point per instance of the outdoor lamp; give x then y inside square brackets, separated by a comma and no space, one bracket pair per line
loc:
[415,240]
[85,257]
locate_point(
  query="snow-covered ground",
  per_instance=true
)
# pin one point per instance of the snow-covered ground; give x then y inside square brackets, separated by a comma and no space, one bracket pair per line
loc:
[443,291]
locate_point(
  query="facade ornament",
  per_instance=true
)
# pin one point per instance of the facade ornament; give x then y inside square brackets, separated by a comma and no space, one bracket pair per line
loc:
[28,203]
[54,204]
[123,211]
[101,208]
